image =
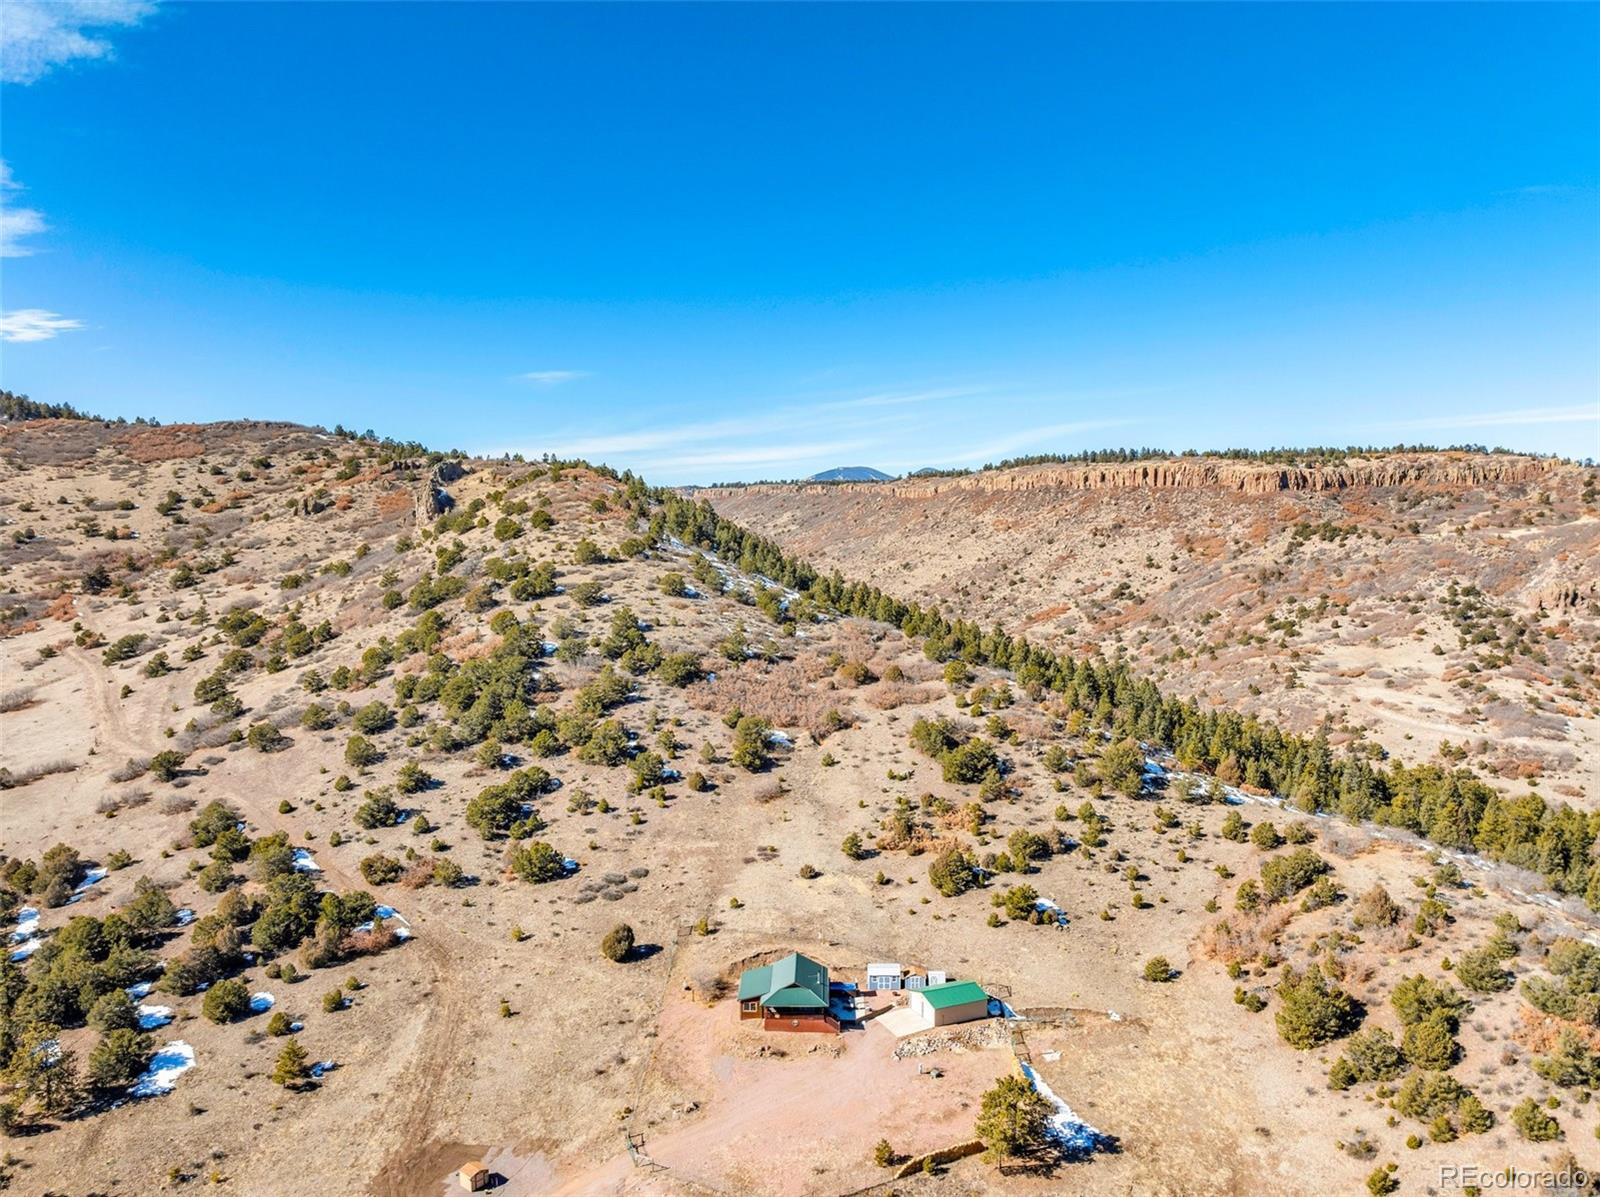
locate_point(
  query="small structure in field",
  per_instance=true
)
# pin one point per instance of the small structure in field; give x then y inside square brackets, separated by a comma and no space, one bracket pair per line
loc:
[884,976]
[952,1002]
[788,995]
[473,1177]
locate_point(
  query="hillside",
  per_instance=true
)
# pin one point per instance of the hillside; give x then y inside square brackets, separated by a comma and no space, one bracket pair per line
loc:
[1433,604]
[851,474]
[387,743]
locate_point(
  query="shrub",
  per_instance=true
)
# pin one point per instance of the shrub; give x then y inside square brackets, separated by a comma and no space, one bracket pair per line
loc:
[617,945]
[380,869]
[1265,836]
[164,765]
[360,752]
[1480,971]
[537,862]
[226,1001]
[1369,1055]
[379,810]
[373,718]
[953,872]
[264,737]
[1533,1123]
[279,1024]
[1158,968]
[1284,876]
[1431,1043]
[1312,1012]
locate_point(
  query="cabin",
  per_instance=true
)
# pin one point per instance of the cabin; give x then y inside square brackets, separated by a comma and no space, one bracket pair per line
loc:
[788,995]
[473,1177]
[952,1002]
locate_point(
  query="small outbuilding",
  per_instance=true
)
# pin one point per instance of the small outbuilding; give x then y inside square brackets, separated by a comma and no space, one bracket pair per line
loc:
[883,976]
[952,1002]
[473,1177]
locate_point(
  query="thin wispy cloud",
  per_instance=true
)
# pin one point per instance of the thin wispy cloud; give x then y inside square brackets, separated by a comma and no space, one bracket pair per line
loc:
[552,378]
[35,324]
[1578,413]
[1044,438]
[16,221]
[37,36]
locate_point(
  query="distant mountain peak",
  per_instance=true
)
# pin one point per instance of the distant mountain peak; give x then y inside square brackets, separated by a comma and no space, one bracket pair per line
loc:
[851,474]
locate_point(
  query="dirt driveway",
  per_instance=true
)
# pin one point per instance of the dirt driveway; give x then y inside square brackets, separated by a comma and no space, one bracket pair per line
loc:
[805,1122]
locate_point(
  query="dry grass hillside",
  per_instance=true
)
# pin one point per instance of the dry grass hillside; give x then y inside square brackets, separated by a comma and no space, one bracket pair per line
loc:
[1446,606]
[329,767]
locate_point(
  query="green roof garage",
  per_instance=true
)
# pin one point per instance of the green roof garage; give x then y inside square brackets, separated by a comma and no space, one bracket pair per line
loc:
[952,1002]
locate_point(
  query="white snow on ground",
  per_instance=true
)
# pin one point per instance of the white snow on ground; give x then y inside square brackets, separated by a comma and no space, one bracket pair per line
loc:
[185,917]
[549,647]
[779,738]
[260,1002]
[25,949]
[1073,1134]
[1006,1011]
[27,924]
[321,1068]
[1049,907]
[91,879]
[172,1061]
[151,1017]
[305,862]
[142,989]
[390,914]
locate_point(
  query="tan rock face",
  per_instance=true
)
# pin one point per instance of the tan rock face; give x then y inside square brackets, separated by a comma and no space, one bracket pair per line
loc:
[1242,477]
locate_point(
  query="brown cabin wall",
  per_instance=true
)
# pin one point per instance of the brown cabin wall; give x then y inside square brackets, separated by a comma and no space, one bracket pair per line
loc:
[819,1023]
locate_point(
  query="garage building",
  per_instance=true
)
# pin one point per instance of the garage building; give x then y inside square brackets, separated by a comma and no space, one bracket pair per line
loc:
[954,1001]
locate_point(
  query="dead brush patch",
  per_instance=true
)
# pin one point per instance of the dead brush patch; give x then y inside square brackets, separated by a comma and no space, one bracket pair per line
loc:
[11,779]
[18,699]
[777,693]
[1241,937]
[886,696]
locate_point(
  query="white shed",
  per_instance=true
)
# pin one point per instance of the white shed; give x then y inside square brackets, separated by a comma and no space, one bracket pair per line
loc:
[883,976]
[937,976]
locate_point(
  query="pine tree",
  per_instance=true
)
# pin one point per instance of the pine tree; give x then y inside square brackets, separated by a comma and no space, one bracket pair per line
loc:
[291,1068]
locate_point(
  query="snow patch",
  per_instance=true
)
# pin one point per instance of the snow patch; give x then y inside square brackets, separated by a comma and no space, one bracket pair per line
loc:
[262,1002]
[321,1068]
[1075,1136]
[27,924]
[168,1064]
[91,879]
[142,989]
[184,918]
[304,862]
[151,1017]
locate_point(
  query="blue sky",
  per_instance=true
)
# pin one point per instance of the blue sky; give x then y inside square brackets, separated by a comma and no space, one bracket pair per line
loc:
[743,241]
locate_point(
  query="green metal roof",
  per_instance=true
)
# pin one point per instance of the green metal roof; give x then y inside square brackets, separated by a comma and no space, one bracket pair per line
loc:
[794,983]
[953,993]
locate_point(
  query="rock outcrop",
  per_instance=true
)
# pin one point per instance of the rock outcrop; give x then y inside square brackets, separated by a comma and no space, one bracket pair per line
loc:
[1433,470]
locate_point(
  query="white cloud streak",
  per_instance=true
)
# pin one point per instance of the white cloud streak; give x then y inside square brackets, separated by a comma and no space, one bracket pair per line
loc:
[1032,438]
[36,36]
[1578,413]
[552,378]
[34,324]
[16,223]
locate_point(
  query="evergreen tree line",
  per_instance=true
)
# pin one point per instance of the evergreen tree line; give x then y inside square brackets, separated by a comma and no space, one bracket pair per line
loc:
[1453,807]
